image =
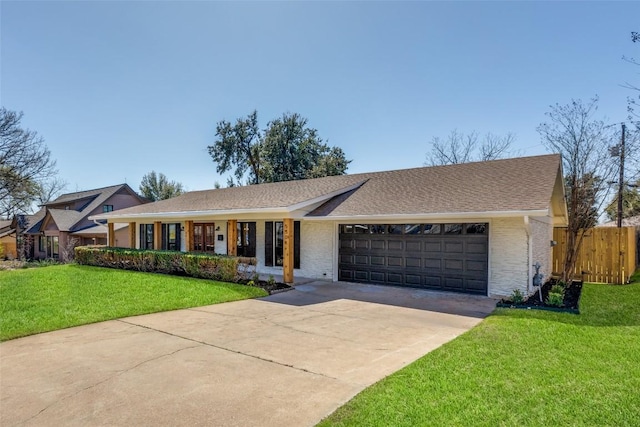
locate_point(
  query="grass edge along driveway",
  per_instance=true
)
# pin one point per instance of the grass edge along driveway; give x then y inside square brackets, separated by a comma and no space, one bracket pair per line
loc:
[44,299]
[521,367]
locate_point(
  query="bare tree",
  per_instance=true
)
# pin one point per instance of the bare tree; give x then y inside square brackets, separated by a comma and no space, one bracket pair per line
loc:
[25,163]
[50,189]
[460,148]
[583,142]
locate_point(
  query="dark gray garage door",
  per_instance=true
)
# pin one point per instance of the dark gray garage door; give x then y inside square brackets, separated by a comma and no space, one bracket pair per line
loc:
[451,257]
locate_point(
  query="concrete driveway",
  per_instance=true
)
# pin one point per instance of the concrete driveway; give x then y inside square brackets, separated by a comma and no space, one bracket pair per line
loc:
[285,360]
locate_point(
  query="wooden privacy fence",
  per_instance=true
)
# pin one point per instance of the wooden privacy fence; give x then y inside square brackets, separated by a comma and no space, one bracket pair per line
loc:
[9,250]
[607,254]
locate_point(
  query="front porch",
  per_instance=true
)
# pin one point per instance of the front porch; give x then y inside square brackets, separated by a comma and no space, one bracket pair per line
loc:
[275,244]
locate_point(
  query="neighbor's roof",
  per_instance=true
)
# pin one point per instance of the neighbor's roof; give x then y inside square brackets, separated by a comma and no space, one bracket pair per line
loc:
[633,221]
[510,185]
[69,219]
[98,229]
[34,221]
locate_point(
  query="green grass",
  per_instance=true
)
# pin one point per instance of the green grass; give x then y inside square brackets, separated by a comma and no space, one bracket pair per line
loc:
[518,367]
[44,299]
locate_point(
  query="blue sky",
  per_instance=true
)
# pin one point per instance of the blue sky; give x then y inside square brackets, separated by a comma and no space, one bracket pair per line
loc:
[120,88]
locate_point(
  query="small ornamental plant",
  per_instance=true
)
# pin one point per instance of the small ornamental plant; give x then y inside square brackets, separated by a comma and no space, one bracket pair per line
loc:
[555,299]
[517,297]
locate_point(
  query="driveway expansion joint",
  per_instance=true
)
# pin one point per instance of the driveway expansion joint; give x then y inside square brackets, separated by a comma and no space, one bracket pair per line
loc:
[286,365]
[109,378]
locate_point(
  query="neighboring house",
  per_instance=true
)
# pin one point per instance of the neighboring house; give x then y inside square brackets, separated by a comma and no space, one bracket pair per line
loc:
[633,221]
[475,227]
[64,222]
[8,239]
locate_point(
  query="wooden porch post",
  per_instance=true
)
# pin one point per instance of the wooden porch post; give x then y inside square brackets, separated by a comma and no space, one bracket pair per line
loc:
[287,262]
[111,235]
[232,237]
[132,235]
[188,236]
[157,235]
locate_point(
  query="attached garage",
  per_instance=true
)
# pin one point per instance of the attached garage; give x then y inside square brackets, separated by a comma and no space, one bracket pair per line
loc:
[450,257]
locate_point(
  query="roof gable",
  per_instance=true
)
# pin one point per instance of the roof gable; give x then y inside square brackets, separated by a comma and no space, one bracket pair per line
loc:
[70,219]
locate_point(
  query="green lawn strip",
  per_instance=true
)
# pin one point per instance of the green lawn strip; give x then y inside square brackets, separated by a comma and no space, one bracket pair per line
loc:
[44,299]
[521,367]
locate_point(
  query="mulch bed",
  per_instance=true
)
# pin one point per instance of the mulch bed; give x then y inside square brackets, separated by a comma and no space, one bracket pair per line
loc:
[570,304]
[270,287]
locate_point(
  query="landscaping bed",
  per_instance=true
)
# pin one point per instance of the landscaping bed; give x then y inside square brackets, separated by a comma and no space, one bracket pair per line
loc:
[570,301]
[270,286]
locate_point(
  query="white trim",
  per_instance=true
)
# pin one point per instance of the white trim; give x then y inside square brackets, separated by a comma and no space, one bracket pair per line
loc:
[226,212]
[443,217]
[527,230]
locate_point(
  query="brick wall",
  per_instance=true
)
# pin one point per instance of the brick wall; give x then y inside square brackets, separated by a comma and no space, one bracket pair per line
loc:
[508,257]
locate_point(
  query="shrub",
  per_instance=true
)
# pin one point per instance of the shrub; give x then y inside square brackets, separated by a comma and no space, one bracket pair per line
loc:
[216,267]
[557,289]
[517,297]
[555,299]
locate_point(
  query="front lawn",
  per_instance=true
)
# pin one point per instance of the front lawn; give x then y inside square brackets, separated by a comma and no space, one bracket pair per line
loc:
[521,367]
[45,299]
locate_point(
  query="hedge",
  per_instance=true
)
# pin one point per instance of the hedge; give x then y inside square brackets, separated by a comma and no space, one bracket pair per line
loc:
[217,267]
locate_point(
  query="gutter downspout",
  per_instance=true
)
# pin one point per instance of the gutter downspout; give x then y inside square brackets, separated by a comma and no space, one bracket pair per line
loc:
[527,229]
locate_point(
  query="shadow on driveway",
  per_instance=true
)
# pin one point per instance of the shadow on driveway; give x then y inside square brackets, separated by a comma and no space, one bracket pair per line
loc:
[317,292]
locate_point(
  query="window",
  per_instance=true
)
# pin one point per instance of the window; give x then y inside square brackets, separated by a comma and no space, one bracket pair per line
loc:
[246,245]
[412,228]
[146,236]
[204,237]
[432,229]
[107,208]
[395,229]
[42,243]
[171,237]
[453,229]
[52,247]
[476,228]
[346,228]
[274,243]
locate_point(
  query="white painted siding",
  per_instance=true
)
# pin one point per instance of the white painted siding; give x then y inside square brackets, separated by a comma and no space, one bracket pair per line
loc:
[508,256]
[316,255]
[542,232]
[316,251]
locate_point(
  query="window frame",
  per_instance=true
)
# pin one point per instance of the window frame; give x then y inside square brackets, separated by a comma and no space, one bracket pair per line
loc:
[246,233]
[146,238]
[270,240]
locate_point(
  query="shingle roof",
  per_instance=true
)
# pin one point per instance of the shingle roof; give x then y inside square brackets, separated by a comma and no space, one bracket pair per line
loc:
[262,196]
[33,221]
[69,219]
[521,184]
[633,221]
[66,219]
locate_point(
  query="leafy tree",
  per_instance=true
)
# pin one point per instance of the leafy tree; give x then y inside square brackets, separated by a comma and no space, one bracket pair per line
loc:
[583,142]
[461,148]
[286,150]
[25,165]
[157,187]
[630,203]
[238,146]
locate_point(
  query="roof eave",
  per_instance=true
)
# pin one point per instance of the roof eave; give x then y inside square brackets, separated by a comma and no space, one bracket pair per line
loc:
[432,216]
[285,210]
[186,214]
